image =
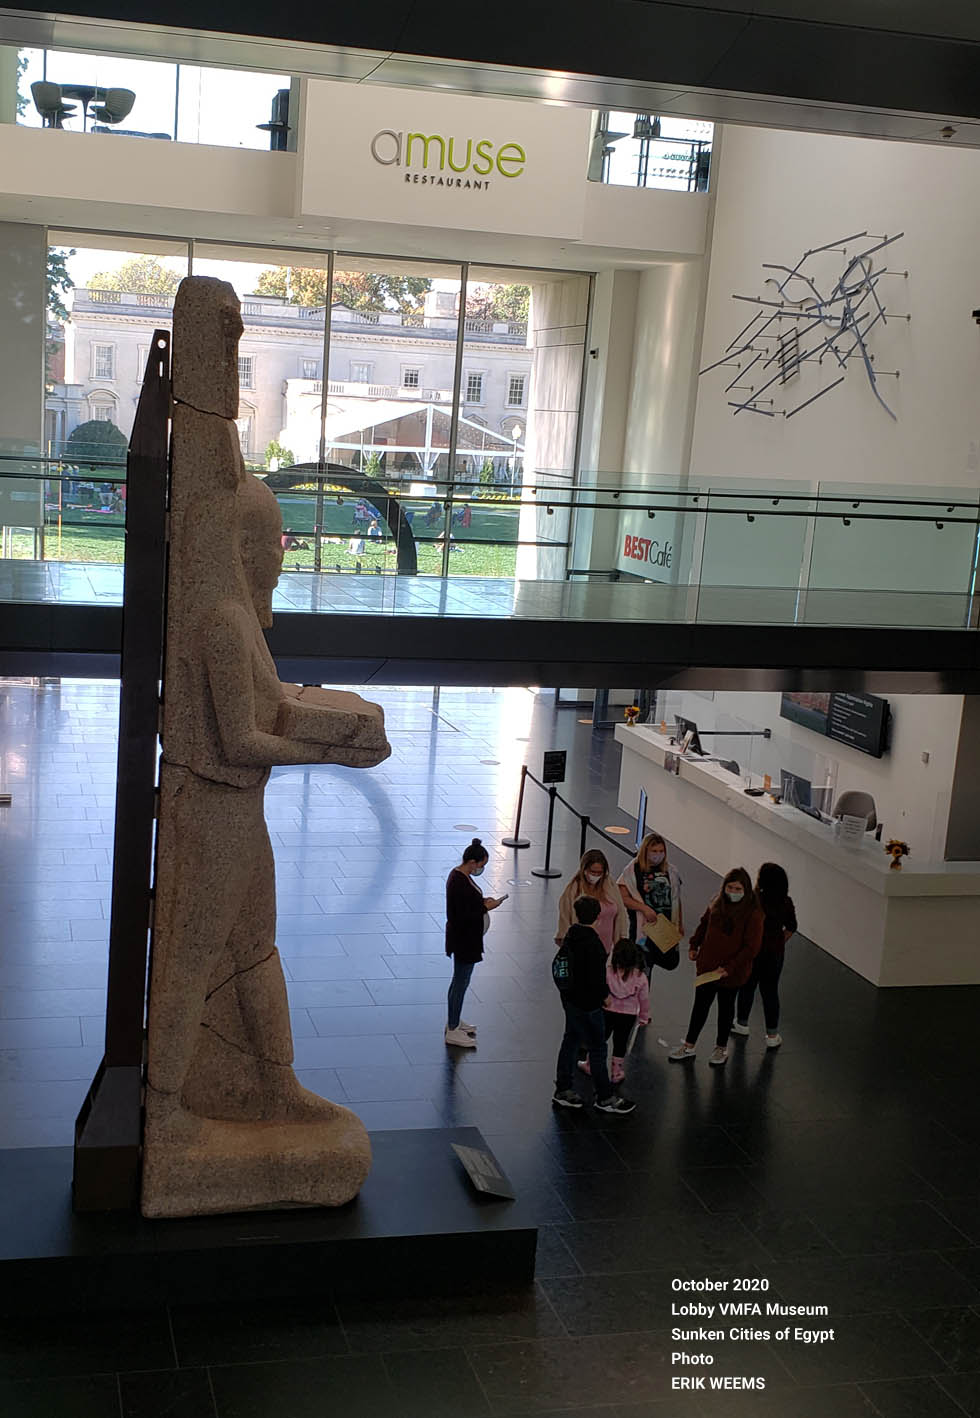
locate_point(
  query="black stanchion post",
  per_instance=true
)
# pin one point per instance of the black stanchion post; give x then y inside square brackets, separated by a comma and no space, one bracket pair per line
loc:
[584,834]
[548,870]
[517,840]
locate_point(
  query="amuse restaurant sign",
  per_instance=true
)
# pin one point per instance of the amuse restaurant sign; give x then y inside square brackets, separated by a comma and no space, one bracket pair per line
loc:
[443,160]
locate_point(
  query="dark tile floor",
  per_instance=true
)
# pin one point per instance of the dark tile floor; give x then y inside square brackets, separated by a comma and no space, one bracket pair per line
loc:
[843,1170]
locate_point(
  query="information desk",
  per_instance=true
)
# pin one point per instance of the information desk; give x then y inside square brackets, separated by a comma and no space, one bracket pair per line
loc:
[917,926]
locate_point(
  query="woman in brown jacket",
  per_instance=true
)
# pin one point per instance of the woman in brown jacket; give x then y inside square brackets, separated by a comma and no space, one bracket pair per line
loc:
[727,939]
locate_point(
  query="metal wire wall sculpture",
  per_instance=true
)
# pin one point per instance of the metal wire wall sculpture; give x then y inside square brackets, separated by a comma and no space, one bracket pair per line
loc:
[798,325]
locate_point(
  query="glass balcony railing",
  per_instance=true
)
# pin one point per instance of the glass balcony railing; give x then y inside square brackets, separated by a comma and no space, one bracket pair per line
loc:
[729,553]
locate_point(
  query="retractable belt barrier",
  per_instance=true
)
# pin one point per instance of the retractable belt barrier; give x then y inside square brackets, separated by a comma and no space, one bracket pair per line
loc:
[585,823]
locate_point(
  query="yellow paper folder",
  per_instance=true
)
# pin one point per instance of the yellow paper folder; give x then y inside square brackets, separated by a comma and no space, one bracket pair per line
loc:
[708,977]
[662,933]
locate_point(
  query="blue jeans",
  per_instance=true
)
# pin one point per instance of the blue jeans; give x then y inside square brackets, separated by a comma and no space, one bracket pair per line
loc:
[462,971]
[588,1028]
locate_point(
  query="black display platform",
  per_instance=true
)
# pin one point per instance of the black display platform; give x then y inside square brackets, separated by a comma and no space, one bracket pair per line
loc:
[418,1226]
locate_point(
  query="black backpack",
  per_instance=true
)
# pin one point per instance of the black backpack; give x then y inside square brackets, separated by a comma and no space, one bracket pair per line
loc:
[561,969]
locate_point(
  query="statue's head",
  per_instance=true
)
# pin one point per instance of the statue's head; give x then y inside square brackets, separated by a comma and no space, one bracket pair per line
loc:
[260,539]
[207,328]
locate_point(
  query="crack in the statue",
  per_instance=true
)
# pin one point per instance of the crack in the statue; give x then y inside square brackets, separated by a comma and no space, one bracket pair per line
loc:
[186,404]
[246,1053]
[236,973]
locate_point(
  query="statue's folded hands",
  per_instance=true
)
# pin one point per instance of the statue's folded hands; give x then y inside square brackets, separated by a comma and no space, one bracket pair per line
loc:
[333,716]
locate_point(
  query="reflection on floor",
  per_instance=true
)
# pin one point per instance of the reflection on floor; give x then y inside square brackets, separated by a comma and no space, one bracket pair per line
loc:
[335,593]
[845,1169]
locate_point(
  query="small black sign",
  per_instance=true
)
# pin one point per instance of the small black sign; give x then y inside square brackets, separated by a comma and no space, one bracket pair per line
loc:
[554,766]
[483,1171]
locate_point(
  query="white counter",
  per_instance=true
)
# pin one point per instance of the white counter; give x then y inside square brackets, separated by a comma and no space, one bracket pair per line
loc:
[917,926]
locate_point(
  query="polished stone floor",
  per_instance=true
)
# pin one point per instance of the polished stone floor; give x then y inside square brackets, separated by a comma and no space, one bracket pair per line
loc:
[845,1170]
[335,593]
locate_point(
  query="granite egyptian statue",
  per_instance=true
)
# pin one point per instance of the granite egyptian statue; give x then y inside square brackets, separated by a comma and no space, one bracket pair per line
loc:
[228,1125]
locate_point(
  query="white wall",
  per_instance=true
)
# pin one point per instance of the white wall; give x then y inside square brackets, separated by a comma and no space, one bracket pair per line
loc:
[912,798]
[661,390]
[22,334]
[8,84]
[559,317]
[780,193]
[645,218]
[144,173]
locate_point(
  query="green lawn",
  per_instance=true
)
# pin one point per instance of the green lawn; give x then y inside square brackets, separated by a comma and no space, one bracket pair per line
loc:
[102,541]
[88,534]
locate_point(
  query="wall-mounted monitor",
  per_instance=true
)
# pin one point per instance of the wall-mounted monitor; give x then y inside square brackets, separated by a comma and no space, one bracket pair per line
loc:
[859,720]
[809,710]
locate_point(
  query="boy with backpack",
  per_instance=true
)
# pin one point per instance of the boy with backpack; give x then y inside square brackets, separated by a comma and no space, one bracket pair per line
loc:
[579,971]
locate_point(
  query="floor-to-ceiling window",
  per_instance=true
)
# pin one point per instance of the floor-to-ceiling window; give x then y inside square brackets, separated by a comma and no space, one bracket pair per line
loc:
[454,388]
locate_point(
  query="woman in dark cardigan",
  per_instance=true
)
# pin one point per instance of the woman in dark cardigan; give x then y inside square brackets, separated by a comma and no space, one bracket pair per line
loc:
[466,921]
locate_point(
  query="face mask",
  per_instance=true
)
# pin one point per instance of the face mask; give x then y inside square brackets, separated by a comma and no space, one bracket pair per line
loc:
[657,858]
[478,871]
[735,895]
[592,878]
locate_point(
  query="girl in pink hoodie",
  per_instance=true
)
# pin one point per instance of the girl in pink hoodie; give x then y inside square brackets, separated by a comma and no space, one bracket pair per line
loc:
[627,1003]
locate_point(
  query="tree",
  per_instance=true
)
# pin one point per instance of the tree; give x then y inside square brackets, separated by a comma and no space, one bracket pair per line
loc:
[372,467]
[499,303]
[59,282]
[99,438]
[278,456]
[307,285]
[22,63]
[139,275]
[486,473]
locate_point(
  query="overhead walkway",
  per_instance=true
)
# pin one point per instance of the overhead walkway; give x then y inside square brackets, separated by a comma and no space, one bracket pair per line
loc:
[835,586]
[66,619]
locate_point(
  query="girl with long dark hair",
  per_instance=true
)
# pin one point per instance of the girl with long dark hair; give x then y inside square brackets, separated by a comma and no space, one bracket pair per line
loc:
[727,939]
[772,889]
[466,922]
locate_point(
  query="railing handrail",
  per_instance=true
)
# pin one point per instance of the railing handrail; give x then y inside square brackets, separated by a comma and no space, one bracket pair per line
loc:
[820,505]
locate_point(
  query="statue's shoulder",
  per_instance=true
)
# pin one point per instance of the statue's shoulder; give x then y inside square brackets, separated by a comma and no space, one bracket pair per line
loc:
[225,621]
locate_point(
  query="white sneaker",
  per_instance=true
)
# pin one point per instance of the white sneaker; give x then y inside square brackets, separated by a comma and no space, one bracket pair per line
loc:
[773,1041]
[717,1057]
[459,1039]
[683,1051]
[741,1029]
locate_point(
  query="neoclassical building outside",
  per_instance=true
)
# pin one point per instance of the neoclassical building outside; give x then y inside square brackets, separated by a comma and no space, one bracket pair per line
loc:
[385,368]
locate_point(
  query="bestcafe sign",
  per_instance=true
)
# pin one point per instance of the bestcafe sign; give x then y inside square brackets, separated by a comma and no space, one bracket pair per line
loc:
[444,160]
[647,546]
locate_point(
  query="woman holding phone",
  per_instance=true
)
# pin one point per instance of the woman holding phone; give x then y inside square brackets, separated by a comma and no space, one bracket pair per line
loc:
[467,920]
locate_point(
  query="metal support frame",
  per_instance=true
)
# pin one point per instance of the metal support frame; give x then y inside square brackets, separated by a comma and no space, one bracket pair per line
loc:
[464,281]
[547,870]
[517,840]
[109,1127]
[324,393]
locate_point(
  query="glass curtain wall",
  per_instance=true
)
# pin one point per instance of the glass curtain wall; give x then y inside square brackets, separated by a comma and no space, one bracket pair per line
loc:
[280,380]
[455,389]
[103,94]
[106,297]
